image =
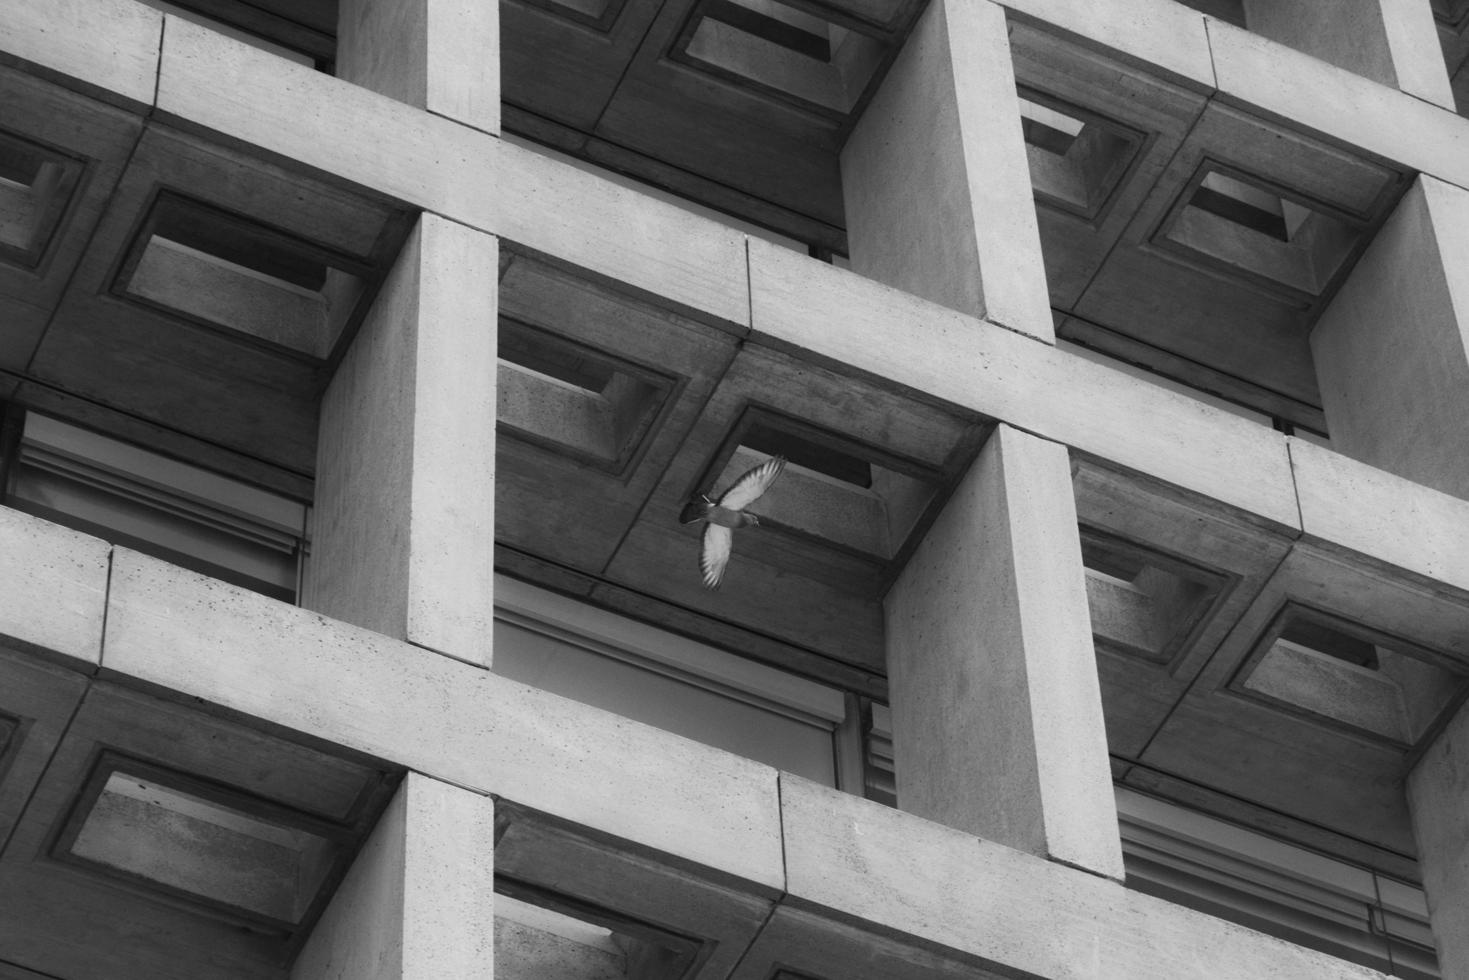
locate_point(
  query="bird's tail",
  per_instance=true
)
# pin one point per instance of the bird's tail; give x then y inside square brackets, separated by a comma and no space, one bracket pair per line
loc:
[695,509]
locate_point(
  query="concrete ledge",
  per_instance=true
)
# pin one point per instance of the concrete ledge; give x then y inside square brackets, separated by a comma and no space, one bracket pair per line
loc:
[1008,909]
[211,83]
[839,316]
[1159,33]
[1352,505]
[106,48]
[1256,72]
[173,629]
[55,588]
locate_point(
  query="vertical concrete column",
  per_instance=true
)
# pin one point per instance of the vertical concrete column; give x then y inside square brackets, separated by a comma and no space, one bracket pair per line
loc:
[418,902]
[997,711]
[935,178]
[1392,349]
[1438,798]
[1393,42]
[439,55]
[404,533]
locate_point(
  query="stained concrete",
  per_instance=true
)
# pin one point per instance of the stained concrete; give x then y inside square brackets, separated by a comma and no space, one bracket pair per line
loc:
[55,588]
[935,179]
[1392,352]
[404,520]
[418,901]
[106,48]
[997,713]
[1437,789]
[439,55]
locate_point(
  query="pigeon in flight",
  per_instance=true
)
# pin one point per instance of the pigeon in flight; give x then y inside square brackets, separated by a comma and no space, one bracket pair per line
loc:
[727,513]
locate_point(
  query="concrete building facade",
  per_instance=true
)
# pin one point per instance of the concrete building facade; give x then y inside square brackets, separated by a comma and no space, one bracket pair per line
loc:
[358,360]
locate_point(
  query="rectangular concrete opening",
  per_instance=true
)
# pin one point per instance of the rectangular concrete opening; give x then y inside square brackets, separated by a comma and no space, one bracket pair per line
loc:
[1076,157]
[173,833]
[1246,226]
[591,404]
[783,49]
[36,184]
[1142,602]
[1325,666]
[235,274]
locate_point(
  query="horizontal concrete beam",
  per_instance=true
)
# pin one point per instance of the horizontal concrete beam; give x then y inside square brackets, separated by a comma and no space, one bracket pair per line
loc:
[1008,909]
[54,589]
[106,48]
[175,630]
[1359,508]
[839,316]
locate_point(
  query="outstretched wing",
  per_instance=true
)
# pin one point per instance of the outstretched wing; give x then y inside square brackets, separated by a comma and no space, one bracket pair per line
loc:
[714,554]
[748,488]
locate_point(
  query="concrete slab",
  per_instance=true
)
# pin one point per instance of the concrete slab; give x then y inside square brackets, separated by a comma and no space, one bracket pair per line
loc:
[200,638]
[423,462]
[418,902]
[839,316]
[1159,33]
[107,48]
[1412,40]
[1255,71]
[860,859]
[439,55]
[997,716]
[952,222]
[55,586]
[1385,517]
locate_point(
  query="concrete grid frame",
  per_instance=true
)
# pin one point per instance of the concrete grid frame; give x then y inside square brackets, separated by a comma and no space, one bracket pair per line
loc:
[1003,857]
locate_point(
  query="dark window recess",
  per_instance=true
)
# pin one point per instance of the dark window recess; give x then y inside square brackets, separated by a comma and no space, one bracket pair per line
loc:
[770,29]
[1333,643]
[1241,213]
[1047,138]
[822,459]
[36,184]
[169,509]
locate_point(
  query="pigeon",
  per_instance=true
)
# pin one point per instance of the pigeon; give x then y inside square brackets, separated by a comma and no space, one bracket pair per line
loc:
[728,512]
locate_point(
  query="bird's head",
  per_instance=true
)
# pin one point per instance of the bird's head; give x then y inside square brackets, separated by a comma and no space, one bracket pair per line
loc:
[754,521]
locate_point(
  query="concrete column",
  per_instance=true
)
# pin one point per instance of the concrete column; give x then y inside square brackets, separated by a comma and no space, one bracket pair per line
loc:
[418,902]
[1390,350]
[1438,797]
[935,177]
[1393,42]
[404,530]
[997,711]
[439,55]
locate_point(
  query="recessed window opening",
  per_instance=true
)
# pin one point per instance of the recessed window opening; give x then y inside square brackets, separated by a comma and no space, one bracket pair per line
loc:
[1250,228]
[1076,158]
[173,510]
[832,488]
[783,50]
[161,829]
[35,186]
[230,272]
[1142,603]
[1328,667]
[591,405]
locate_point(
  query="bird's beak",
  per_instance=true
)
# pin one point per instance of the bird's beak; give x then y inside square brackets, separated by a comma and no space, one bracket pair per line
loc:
[754,520]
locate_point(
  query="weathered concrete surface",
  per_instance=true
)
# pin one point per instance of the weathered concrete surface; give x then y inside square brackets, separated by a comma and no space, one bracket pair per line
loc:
[1397,126]
[1348,33]
[1162,33]
[202,638]
[1412,40]
[405,504]
[418,901]
[839,316]
[439,55]
[1392,349]
[107,48]
[935,178]
[523,952]
[55,588]
[1393,520]
[1438,794]
[1009,908]
[997,713]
